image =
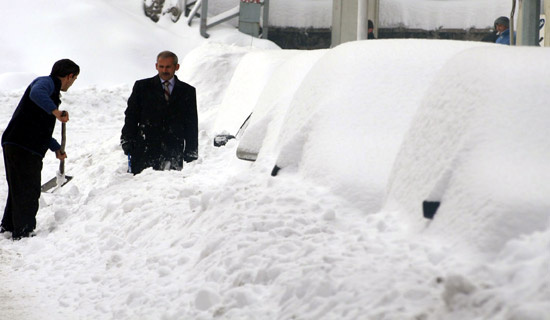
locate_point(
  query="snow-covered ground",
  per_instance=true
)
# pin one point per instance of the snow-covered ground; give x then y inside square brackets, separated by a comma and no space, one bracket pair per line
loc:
[363,133]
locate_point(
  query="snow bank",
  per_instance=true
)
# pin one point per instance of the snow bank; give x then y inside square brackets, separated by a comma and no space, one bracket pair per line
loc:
[246,86]
[125,43]
[223,239]
[347,120]
[115,37]
[272,106]
[209,68]
[16,80]
[480,146]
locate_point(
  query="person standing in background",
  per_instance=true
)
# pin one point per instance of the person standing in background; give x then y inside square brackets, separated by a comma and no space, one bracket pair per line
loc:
[502,25]
[492,36]
[370,35]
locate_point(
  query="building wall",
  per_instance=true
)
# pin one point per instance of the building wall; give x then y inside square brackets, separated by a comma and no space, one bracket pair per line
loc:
[301,38]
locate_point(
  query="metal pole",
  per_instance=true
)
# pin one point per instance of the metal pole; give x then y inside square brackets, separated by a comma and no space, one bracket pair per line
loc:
[530,23]
[512,38]
[376,18]
[336,33]
[547,25]
[362,19]
[265,23]
[193,12]
[204,14]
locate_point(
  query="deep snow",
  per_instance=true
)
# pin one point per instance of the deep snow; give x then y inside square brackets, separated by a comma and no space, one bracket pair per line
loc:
[363,133]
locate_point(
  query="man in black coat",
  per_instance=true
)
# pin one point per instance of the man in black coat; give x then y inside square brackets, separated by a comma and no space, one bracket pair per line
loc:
[25,142]
[161,125]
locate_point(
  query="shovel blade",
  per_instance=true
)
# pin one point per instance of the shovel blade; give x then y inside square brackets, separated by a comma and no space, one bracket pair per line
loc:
[52,183]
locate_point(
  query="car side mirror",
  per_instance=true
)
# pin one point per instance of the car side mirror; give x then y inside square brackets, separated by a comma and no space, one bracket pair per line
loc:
[222,139]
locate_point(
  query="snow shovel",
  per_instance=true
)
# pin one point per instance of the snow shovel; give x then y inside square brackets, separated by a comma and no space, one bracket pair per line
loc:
[60,179]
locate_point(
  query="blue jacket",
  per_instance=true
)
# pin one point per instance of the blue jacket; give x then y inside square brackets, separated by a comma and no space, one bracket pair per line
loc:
[32,123]
[504,37]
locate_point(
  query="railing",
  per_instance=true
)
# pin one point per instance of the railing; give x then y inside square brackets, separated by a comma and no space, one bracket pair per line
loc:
[192,10]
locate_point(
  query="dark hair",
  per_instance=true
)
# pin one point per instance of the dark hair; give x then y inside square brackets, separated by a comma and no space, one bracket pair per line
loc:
[168,54]
[371,25]
[64,67]
[502,21]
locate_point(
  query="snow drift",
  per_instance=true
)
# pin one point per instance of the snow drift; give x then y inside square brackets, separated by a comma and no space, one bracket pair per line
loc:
[224,239]
[348,141]
[479,145]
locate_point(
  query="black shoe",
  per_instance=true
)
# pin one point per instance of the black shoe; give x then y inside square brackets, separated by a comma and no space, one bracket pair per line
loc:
[24,234]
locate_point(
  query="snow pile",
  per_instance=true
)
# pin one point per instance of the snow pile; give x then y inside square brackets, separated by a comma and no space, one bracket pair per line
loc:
[346,123]
[266,120]
[116,37]
[16,80]
[478,145]
[209,68]
[224,239]
[247,83]
[452,89]
[123,41]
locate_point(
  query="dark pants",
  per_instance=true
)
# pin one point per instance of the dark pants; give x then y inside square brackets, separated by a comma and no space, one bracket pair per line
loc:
[23,173]
[161,163]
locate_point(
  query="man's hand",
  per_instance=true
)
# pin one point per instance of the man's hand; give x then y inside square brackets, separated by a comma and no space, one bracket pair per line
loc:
[60,155]
[62,116]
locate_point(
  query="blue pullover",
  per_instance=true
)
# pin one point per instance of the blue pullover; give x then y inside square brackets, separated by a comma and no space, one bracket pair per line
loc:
[32,123]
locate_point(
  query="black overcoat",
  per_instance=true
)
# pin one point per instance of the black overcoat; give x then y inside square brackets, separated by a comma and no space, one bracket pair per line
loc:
[159,131]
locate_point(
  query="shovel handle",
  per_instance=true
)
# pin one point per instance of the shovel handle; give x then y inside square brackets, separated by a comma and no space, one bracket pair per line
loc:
[63,141]
[62,167]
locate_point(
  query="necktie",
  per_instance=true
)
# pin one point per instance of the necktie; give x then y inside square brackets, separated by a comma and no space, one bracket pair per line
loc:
[167,90]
